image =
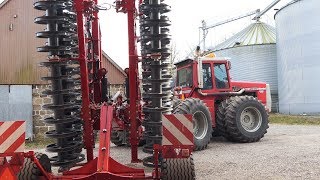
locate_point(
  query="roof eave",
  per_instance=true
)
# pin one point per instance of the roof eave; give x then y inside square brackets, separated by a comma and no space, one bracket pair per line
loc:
[3,3]
[114,63]
[216,50]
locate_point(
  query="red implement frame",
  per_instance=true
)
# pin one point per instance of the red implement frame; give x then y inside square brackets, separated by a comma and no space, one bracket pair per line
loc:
[105,167]
[128,6]
[85,9]
[102,167]
[80,7]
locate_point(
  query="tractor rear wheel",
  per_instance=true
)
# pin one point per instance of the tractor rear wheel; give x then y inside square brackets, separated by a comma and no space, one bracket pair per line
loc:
[30,171]
[246,119]
[202,122]
[178,169]
[221,127]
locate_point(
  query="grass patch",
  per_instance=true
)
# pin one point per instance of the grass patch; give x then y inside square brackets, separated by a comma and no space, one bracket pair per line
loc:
[38,142]
[294,120]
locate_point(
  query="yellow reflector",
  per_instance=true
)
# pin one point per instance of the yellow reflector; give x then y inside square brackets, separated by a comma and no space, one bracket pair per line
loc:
[182,97]
[211,55]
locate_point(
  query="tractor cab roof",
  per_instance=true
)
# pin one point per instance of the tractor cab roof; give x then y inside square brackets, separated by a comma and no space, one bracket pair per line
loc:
[190,61]
[214,58]
[184,62]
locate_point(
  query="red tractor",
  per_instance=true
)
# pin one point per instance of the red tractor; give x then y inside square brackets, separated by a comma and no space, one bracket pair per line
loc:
[237,111]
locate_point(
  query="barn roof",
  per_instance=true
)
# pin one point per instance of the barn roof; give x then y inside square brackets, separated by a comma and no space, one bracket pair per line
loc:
[113,63]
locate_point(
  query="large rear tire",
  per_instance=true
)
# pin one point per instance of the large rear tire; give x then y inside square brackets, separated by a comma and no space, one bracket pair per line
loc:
[202,122]
[30,170]
[221,126]
[178,169]
[246,119]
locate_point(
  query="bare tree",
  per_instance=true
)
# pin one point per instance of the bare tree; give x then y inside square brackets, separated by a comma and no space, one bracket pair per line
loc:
[174,52]
[173,58]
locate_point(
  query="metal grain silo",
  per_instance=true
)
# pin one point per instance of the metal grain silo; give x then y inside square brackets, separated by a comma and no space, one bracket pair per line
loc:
[298,51]
[253,56]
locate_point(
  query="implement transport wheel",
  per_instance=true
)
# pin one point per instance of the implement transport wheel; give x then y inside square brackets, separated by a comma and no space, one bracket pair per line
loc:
[202,122]
[246,119]
[178,169]
[30,170]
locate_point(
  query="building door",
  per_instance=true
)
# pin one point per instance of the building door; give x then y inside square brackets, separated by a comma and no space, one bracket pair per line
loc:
[16,104]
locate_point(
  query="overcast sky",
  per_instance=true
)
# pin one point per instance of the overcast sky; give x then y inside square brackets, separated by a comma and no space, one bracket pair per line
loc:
[186,19]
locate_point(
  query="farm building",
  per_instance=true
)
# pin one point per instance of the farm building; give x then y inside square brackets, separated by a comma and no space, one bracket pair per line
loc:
[20,73]
[298,54]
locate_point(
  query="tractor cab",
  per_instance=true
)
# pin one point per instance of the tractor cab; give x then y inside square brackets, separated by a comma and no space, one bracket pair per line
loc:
[208,74]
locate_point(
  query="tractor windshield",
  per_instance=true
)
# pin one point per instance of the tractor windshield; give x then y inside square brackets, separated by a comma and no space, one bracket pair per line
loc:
[221,76]
[184,77]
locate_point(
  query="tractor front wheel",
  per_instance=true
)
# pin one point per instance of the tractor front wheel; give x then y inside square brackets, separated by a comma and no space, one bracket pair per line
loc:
[202,122]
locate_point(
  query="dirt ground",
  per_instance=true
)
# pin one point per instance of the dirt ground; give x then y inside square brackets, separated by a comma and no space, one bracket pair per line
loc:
[286,152]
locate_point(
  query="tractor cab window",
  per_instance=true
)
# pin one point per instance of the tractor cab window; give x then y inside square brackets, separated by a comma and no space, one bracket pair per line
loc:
[207,76]
[184,78]
[221,76]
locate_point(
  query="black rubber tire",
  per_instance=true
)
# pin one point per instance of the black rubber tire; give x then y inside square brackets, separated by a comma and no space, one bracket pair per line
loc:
[117,138]
[221,126]
[175,103]
[30,170]
[178,169]
[233,122]
[191,106]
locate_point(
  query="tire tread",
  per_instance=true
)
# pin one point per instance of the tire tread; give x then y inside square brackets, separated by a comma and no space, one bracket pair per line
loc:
[231,120]
[187,107]
[178,169]
[30,170]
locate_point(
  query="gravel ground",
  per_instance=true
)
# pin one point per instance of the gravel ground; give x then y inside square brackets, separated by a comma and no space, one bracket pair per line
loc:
[286,152]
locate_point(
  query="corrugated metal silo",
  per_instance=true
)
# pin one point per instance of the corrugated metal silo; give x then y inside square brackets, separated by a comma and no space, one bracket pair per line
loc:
[298,48]
[253,56]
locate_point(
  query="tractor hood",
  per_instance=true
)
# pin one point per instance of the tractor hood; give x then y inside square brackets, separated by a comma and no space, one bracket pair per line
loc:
[246,84]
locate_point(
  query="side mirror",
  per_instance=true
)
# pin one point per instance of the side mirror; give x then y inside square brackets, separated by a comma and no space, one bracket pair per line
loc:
[228,65]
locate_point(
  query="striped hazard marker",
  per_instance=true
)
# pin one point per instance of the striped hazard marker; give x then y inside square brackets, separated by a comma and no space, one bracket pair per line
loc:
[177,129]
[12,136]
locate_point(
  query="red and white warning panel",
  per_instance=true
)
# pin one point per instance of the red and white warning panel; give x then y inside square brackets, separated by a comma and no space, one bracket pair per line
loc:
[177,129]
[12,136]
